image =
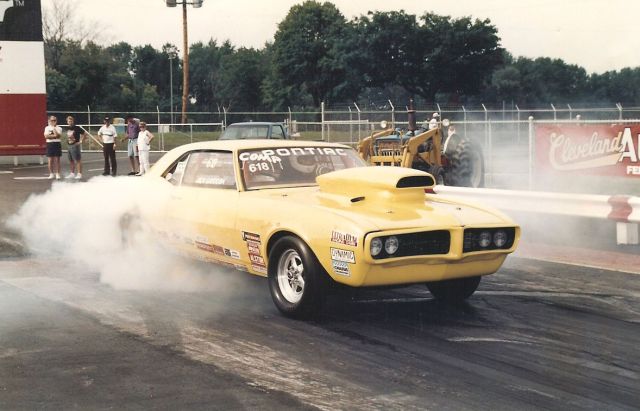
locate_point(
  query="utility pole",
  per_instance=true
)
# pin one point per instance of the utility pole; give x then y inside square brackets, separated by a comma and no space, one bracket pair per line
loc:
[185,45]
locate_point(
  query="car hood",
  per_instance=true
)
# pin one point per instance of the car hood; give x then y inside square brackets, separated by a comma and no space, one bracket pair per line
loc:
[387,198]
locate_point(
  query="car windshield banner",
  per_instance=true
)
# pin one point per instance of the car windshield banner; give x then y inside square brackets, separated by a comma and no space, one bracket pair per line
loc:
[599,149]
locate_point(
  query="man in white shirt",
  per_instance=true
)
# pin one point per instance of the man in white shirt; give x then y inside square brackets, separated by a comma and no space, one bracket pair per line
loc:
[108,134]
[52,134]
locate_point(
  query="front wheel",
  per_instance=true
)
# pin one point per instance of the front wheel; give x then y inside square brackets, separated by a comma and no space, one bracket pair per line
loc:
[454,291]
[295,278]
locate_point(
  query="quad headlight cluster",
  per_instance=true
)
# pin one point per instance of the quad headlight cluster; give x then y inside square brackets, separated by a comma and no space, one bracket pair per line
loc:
[481,239]
[410,244]
[389,244]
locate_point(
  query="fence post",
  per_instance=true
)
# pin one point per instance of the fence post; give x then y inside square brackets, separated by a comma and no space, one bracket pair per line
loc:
[555,116]
[89,126]
[350,124]
[393,114]
[490,156]
[531,134]
[161,133]
[358,108]
[464,117]
[322,120]
[191,131]
[619,107]
[570,111]
[486,123]
[224,122]
[290,119]
[518,116]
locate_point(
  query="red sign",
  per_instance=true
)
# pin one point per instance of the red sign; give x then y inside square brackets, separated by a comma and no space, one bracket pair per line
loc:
[606,150]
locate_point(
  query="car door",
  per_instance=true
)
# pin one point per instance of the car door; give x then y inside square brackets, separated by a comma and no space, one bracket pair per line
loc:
[203,207]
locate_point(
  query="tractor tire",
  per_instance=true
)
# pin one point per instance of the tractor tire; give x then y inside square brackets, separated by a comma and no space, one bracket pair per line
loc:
[466,165]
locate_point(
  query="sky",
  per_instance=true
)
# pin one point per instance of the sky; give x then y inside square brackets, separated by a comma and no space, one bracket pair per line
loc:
[595,34]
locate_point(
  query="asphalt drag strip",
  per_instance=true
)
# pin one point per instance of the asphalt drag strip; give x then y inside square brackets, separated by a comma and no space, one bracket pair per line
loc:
[536,335]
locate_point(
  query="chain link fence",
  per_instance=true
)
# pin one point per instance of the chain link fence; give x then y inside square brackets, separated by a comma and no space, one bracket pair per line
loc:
[505,135]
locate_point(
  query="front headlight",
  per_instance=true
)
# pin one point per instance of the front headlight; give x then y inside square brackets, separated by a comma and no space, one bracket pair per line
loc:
[376,246]
[391,244]
[500,238]
[484,239]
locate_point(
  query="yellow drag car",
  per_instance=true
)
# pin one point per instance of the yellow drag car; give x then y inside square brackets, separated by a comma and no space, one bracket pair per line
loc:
[307,214]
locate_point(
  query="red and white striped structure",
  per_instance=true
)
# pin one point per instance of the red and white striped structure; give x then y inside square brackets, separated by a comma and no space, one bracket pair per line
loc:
[23,95]
[624,210]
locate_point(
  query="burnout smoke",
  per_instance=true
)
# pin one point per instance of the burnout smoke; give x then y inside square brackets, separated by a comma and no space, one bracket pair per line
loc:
[98,225]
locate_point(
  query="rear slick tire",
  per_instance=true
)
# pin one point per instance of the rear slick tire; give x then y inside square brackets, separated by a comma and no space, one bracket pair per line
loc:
[454,291]
[295,279]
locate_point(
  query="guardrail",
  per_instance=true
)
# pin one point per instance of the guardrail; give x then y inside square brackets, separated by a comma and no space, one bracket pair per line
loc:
[624,210]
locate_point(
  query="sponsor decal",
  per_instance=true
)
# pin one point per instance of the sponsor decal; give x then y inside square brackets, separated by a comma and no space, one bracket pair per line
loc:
[273,156]
[218,250]
[341,268]
[346,256]
[254,242]
[586,149]
[250,237]
[253,249]
[256,259]
[203,244]
[344,238]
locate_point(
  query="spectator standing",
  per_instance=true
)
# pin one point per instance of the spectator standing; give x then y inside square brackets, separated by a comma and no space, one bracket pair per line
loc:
[433,123]
[75,137]
[144,146]
[132,130]
[108,134]
[52,134]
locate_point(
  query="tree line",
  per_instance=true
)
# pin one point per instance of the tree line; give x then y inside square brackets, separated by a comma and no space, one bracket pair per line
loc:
[317,55]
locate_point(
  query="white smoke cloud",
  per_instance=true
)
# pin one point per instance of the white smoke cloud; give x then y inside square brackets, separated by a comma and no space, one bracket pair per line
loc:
[83,223]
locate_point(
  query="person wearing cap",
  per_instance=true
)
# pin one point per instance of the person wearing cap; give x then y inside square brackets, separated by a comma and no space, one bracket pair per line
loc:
[108,134]
[132,130]
[52,134]
[433,123]
[144,145]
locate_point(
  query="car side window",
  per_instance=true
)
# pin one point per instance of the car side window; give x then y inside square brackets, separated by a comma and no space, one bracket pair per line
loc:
[212,169]
[277,132]
[176,171]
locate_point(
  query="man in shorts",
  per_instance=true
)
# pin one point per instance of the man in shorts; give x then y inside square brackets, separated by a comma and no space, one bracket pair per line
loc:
[132,130]
[75,138]
[52,134]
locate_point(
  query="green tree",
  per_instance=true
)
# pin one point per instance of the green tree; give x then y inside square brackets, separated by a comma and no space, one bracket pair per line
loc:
[241,76]
[307,52]
[205,61]
[545,80]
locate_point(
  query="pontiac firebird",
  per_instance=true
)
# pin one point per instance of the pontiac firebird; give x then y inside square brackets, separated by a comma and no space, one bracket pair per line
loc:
[310,214]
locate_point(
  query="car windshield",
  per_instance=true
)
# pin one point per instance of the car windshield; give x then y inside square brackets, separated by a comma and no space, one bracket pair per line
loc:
[294,166]
[245,132]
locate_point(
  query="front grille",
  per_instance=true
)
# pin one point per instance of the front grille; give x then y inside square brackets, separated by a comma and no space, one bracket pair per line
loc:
[422,243]
[472,239]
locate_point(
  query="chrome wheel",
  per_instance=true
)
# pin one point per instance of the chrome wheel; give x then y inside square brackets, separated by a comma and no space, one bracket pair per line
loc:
[290,276]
